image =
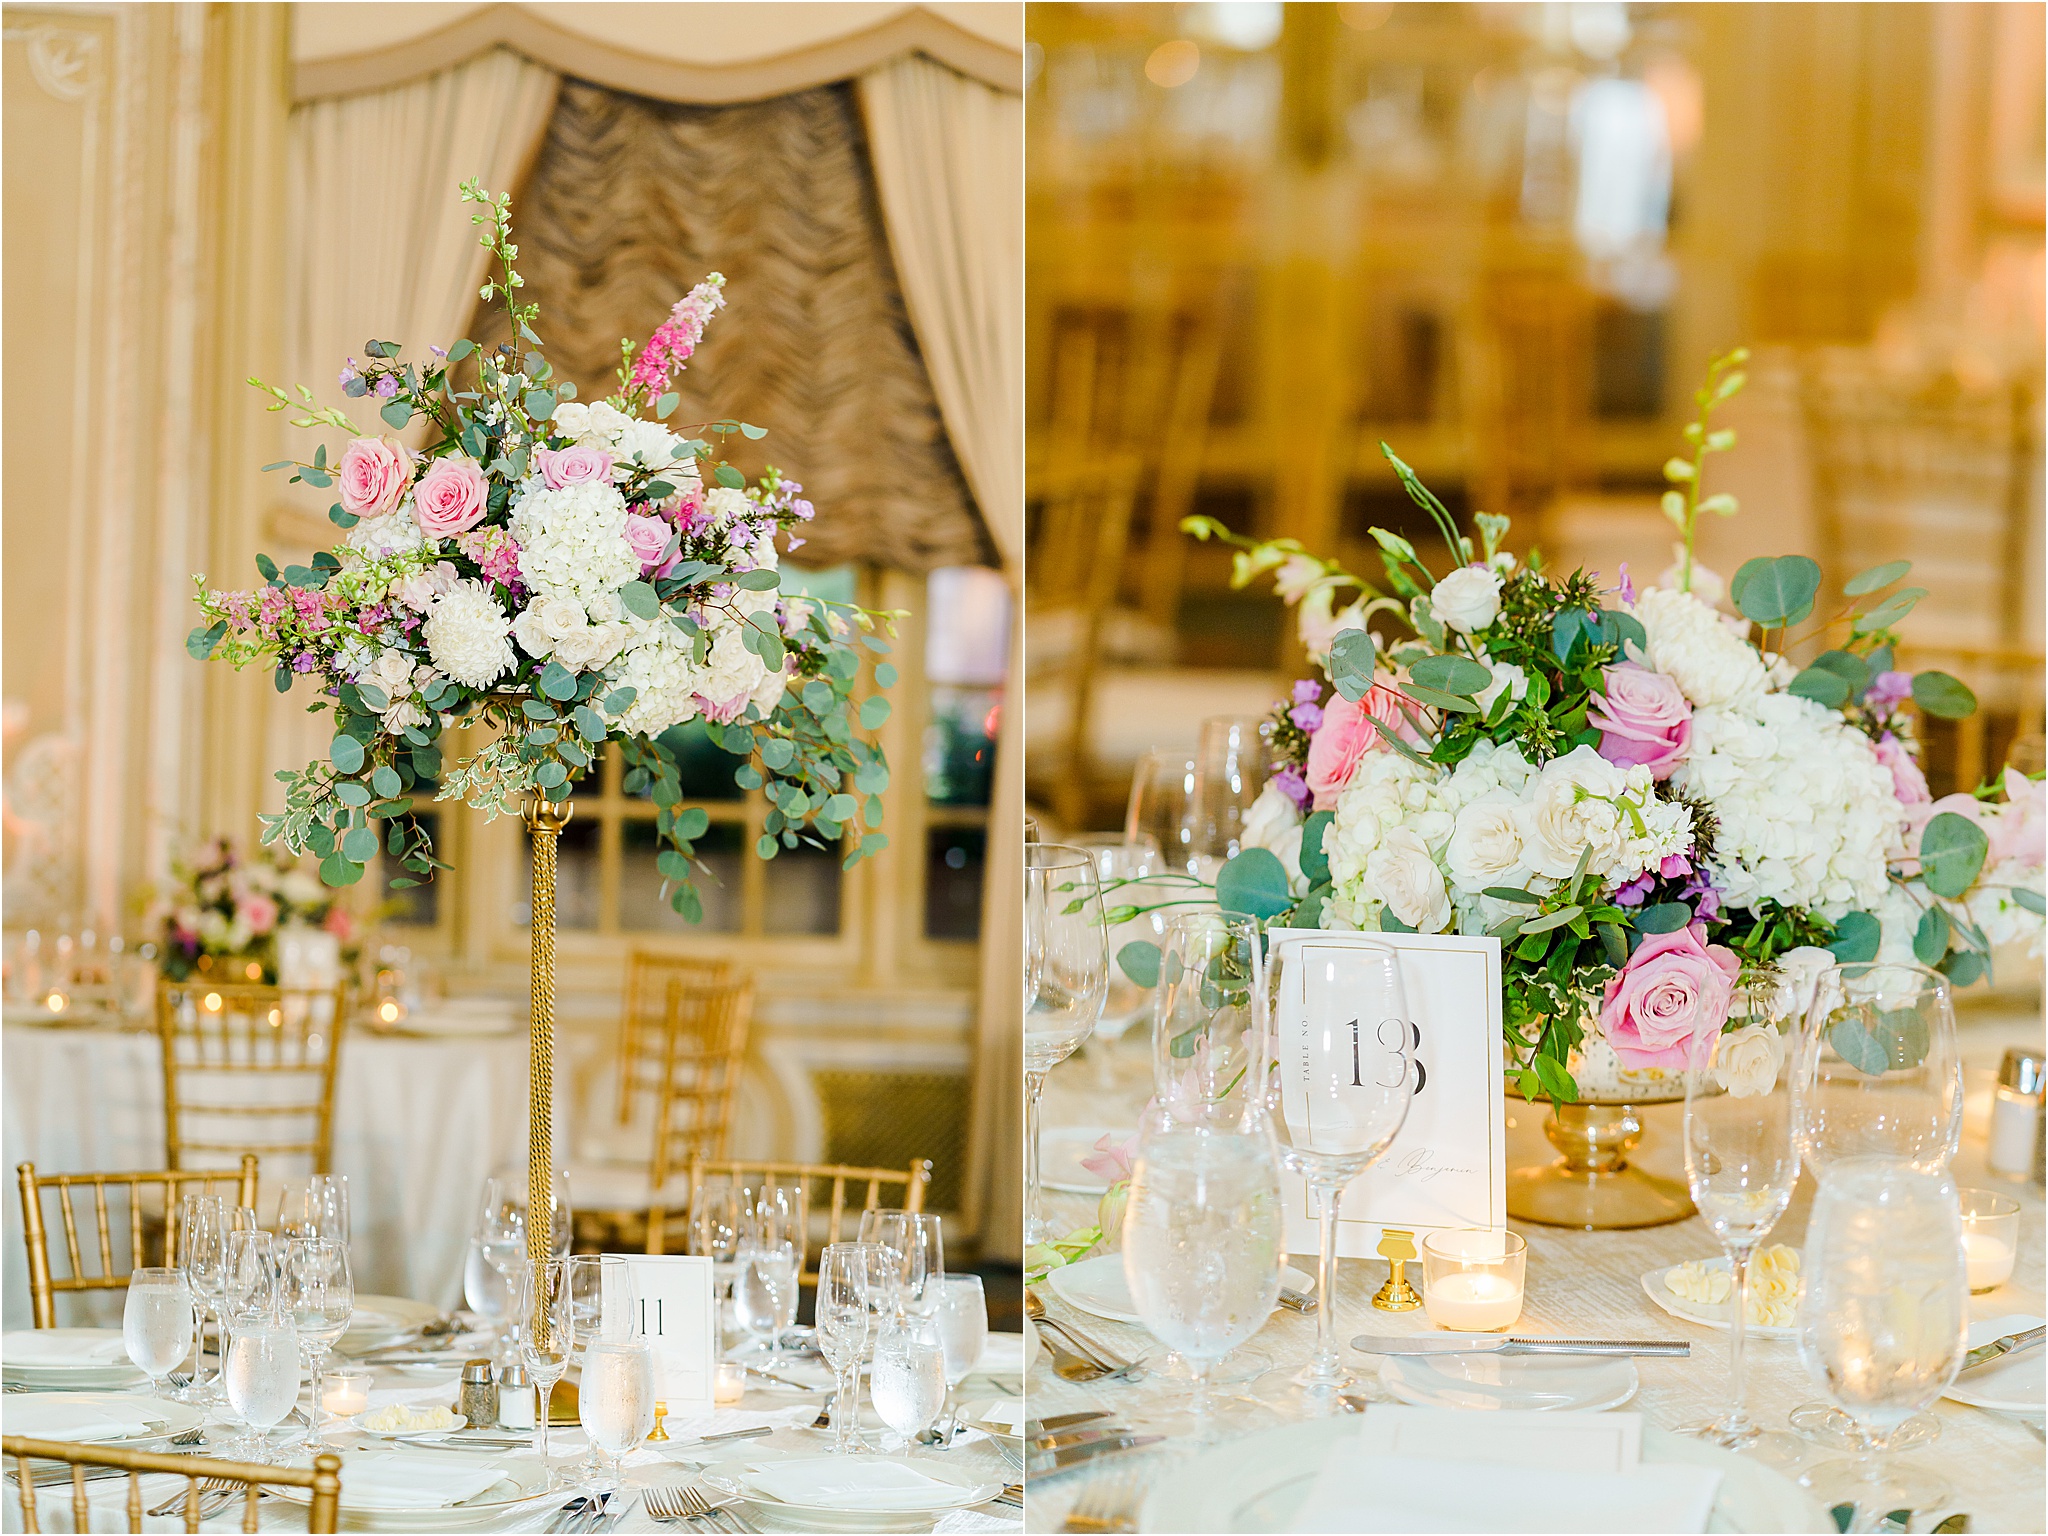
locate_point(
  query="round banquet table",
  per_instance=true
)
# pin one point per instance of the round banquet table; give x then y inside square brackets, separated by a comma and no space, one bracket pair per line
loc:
[1579,1285]
[419,1123]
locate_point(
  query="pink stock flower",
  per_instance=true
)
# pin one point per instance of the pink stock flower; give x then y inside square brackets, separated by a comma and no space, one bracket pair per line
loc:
[1348,732]
[373,474]
[260,912]
[1643,719]
[562,467]
[1908,782]
[1672,995]
[648,537]
[676,338]
[450,497]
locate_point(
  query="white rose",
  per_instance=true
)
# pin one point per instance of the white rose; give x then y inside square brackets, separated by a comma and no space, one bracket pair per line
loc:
[1505,675]
[1486,847]
[725,502]
[1409,882]
[1468,599]
[558,615]
[1270,816]
[571,418]
[608,422]
[1808,971]
[402,713]
[592,645]
[1748,1060]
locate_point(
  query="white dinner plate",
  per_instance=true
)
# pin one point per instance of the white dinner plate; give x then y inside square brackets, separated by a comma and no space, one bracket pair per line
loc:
[1060,1151]
[1257,1484]
[2015,1384]
[383,1320]
[522,1489]
[1097,1286]
[35,1414]
[847,1512]
[1713,1314]
[1554,1382]
[76,1359]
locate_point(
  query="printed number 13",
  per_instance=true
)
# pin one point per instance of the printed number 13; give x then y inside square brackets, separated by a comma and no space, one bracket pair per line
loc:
[1397,1026]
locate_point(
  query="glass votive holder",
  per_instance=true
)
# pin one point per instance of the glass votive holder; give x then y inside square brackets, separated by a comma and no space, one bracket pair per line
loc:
[730,1383]
[1472,1279]
[1991,1236]
[346,1393]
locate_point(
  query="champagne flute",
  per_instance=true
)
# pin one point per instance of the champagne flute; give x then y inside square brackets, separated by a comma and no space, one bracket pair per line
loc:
[908,1379]
[1882,1323]
[1741,1163]
[782,1217]
[156,1323]
[615,1402]
[1339,1075]
[547,1335]
[715,1232]
[1164,807]
[261,1369]
[1066,976]
[848,1276]
[202,1252]
[319,1293]
[914,1244]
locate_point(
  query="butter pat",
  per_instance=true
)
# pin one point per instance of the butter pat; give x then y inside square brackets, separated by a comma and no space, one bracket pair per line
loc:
[397,1418]
[1773,1285]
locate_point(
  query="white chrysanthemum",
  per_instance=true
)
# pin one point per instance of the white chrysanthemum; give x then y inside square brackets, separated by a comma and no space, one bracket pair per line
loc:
[379,538]
[572,542]
[466,634]
[1712,664]
[1807,814]
[647,442]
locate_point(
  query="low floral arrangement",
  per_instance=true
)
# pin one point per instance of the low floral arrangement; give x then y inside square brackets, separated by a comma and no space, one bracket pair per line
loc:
[224,911]
[1637,791]
[554,575]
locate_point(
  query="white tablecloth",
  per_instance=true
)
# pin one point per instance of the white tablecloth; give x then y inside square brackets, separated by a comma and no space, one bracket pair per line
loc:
[418,1125]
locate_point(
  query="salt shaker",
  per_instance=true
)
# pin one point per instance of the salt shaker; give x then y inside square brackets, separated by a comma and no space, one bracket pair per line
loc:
[2015,1115]
[477,1401]
[515,1398]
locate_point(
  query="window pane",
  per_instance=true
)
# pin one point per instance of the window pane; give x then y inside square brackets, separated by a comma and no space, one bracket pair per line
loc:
[576,877]
[960,744]
[833,583]
[706,770]
[642,908]
[419,906]
[802,891]
[954,859]
[967,633]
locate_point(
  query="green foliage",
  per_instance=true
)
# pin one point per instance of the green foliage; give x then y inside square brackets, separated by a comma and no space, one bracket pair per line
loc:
[1946,697]
[1776,591]
[1952,853]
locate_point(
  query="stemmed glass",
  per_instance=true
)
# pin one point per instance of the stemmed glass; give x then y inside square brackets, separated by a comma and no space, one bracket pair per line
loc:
[261,1369]
[1165,808]
[1741,1163]
[1208,1016]
[765,1292]
[1066,977]
[202,1253]
[908,1379]
[781,1215]
[1883,1320]
[1122,869]
[715,1233]
[156,1323]
[1204,1236]
[1230,770]
[547,1334]
[501,1233]
[1879,1074]
[251,1295]
[1339,1077]
[963,1328]
[315,1207]
[606,1306]
[319,1293]
[849,1274]
[615,1401]
[914,1248]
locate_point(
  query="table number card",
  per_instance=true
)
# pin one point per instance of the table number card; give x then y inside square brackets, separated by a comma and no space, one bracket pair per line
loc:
[1448,1166]
[678,1319]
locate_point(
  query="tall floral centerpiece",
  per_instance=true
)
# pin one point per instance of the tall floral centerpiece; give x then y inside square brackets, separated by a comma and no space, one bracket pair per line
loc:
[1638,790]
[547,576]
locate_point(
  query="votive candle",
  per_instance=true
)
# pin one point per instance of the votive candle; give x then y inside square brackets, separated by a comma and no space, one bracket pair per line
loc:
[1990,1236]
[346,1393]
[1472,1279]
[730,1384]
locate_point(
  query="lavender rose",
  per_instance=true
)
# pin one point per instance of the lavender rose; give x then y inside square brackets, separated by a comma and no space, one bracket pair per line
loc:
[374,472]
[1643,718]
[1673,993]
[450,497]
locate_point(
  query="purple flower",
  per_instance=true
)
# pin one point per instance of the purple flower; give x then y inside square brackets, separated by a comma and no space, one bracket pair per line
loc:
[1636,892]
[438,351]
[387,386]
[1308,691]
[348,372]
[1291,784]
[1887,689]
[1627,589]
[1674,865]
[304,662]
[1309,717]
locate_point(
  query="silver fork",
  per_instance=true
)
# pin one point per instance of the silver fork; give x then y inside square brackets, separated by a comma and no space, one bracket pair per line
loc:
[215,1494]
[1108,1505]
[677,1503]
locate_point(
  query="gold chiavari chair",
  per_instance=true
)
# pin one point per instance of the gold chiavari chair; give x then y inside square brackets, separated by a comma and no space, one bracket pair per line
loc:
[644,1022]
[910,1184]
[248,1069]
[152,1214]
[322,1480]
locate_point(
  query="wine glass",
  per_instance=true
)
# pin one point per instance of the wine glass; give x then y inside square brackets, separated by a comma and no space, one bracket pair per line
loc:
[314,1207]
[765,1292]
[1879,1074]
[848,1276]
[1164,806]
[908,1379]
[1339,1075]
[486,1292]
[715,1230]
[1208,1016]
[963,1327]
[319,1293]
[156,1322]
[261,1370]
[1883,1319]
[1122,870]
[1230,770]
[781,1214]
[1741,1163]
[1204,1238]
[915,1250]
[1066,976]
[501,1233]
[615,1402]
[547,1334]
[202,1253]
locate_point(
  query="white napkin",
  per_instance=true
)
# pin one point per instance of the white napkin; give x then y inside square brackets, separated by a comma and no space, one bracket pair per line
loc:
[1003,1353]
[412,1479]
[80,1347]
[56,1418]
[842,1481]
[1439,1470]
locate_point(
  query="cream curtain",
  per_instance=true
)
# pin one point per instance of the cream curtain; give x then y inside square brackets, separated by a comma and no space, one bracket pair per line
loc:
[949,165]
[381,244]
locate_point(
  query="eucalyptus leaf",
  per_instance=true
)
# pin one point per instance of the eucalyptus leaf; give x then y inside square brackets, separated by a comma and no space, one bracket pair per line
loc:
[1253,882]
[346,753]
[1889,613]
[1450,702]
[1663,917]
[1452,675]
[1825,688]
[1952,853]
[1930,936]
[1857,937]
[1864,582]
[1856,1045]
[639,599]
[1776,590]
[760,581]
[1315,863]
[1352,660]
[1947,697]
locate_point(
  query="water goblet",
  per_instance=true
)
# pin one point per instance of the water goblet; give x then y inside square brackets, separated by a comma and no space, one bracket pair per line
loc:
[914,1242]
[202,1254]
[1130,901]
[908,1379]
[849,1274]
[606,1306]
[615,1401]
[962,1316]
[319,1294]
[261,1370]
[314,1207]
[156,1323]
[1066,978]
[765,1293]
[781,1217]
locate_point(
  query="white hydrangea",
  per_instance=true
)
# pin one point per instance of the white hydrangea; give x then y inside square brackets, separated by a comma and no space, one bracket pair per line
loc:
[1807,814]
[379,538]
[1992,907]
[1712,663]
[572,542]
[1387,792]
[671,688]
[466,635]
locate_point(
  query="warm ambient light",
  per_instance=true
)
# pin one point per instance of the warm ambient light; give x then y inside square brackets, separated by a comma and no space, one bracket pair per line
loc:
[1173,63]
[212,1003]
[253,971]
[388,1011]
[56,1002]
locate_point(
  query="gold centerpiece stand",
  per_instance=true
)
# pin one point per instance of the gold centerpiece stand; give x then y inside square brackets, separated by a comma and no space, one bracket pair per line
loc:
[1593,1186]
[545,820]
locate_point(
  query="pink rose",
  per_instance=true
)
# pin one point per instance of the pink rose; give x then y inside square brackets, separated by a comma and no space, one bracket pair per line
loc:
[1347,733]
[260,912]
[374,473]
[1672,995]
[450,497]
[649,538]
[2019,828]
[560,467]
[1643,719]
[1908,782]
[1969,807]
[339,923]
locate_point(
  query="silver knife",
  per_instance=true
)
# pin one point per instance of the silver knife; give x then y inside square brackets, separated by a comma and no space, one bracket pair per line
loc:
[1478,1345]
[2011,1344]
[1044,1462]
[1036,1429]
[1074,1437]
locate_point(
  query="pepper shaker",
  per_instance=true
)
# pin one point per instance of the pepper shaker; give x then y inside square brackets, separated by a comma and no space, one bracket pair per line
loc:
[478,1399]
[2015,1115]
